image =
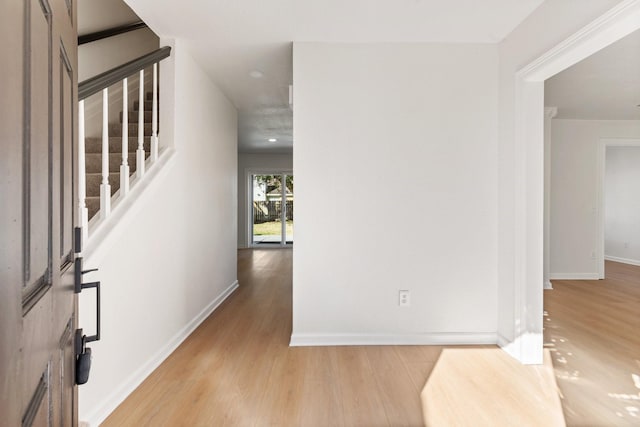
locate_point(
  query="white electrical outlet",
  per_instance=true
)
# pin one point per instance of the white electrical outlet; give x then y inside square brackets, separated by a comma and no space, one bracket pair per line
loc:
[404,298]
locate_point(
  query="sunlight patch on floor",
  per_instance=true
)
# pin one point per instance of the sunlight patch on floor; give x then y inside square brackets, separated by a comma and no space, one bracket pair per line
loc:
[487,387]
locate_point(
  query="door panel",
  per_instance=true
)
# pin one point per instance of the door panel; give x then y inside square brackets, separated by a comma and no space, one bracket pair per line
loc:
[65,173]
[37,412]
[37,139]
[37,129]
[11,244]
[66,375]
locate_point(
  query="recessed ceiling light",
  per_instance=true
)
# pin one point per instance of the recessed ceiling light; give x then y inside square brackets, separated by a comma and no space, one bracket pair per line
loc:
[256,74]
[272,140]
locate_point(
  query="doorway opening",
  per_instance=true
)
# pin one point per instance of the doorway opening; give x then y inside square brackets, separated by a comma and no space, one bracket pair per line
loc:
[591,114]
[619,178]
[271,209]
[527,345]
[589,173]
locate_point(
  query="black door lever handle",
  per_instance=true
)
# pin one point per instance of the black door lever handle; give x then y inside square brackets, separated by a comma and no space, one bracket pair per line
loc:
[78,273]
[83,353]
[79,286]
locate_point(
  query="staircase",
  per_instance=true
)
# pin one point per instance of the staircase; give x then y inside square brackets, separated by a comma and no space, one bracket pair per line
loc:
[93,154]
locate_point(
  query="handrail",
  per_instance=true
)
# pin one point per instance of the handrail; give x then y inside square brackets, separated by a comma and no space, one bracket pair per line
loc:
[99,35]
[101,81]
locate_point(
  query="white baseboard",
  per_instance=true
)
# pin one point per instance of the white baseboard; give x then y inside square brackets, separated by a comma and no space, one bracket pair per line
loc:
[454,338]
[501,340]
[111,402]
[526,348]
[622,260]
[509,346]
[547,284]
[574,276]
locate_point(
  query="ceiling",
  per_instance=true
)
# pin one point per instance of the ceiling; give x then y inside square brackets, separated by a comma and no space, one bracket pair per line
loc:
[232,38]
[604,86]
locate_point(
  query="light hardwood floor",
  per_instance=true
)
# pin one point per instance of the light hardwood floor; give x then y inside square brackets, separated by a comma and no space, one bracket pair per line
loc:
[592,329]
[236,369]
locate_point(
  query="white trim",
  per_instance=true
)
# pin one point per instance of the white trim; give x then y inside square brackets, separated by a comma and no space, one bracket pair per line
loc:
[601,166]
[574,276]
[111,402]
[524,348]
[615,24]
[502,341]
[548,285]
[622,260]
[511,346]
[248,221]
[434,338]
[549,114]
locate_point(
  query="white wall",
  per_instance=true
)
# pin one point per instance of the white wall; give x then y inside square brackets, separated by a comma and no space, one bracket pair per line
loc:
[395,162]
[102,55]
[622,204]
[551,23]
[173,257]
[248,162]
[574,193]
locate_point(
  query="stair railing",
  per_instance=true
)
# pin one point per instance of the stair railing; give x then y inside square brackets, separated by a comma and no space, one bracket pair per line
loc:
[102,82]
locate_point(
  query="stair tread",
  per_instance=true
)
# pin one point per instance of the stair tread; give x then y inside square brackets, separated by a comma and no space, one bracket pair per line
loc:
[134,117]
[116,129]
[111,152]
[94,145]
[148,105]
[100,173]
[93,161]
[93,151]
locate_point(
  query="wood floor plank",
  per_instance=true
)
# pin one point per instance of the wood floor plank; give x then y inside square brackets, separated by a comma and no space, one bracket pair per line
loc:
[485,387]
[237,369]
[591,329]
[392,380]
[362,404]
[321,391]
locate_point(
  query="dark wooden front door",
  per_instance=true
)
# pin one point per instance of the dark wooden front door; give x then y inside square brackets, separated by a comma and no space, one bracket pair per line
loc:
[38,98]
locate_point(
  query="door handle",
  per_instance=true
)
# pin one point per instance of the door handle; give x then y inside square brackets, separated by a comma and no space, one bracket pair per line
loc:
[79,287]
[82,352]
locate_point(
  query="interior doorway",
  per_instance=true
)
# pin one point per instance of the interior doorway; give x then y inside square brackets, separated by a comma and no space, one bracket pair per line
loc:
[271,209]
[618,234]
[527,344]
[591,187]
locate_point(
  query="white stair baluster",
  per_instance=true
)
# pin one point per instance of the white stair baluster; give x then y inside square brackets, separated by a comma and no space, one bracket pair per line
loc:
[124,167]
[154,116]
[140,151]
[83,213]
[105,188]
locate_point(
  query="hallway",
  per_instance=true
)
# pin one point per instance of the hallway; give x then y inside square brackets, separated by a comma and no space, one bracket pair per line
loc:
[591,329]
[236,369]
